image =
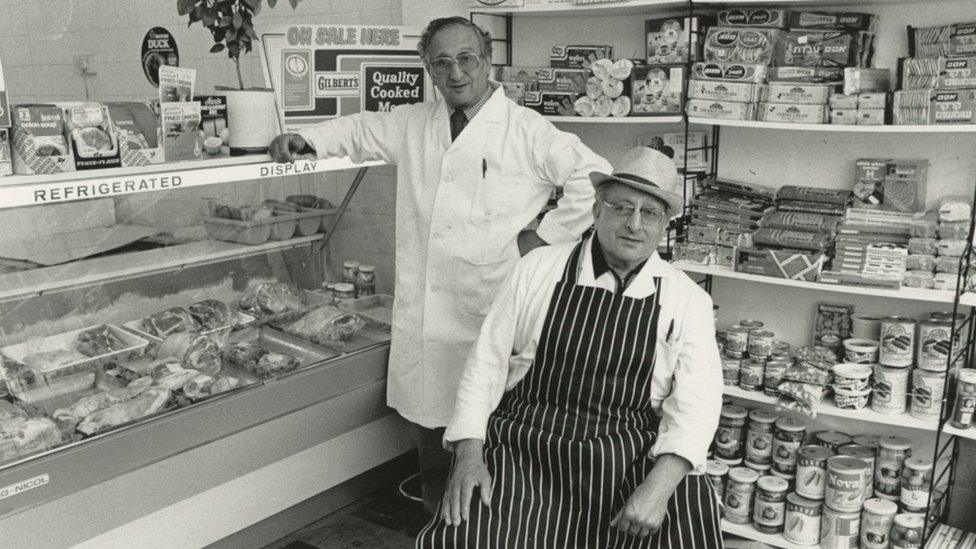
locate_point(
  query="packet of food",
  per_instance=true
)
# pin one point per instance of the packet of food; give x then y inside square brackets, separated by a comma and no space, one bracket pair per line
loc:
[38,140]
[182,137]
[92,136]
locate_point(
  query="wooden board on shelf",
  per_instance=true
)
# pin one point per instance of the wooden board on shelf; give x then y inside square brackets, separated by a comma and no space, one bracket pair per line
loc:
[839,128]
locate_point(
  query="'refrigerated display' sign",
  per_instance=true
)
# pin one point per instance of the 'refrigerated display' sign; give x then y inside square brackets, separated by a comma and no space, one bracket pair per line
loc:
[321,72]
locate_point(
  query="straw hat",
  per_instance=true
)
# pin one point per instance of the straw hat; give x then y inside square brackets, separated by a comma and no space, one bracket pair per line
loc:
[649,171]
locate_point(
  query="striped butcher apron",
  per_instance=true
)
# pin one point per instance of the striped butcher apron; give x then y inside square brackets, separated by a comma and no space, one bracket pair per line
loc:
[570,442]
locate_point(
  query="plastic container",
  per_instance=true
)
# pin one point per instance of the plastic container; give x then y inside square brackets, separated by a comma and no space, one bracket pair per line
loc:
[738,495]
[861,351]
[759,438]
[730,436]
[277,227]
[787,439]
[964,405]
[802,520]
[916,484]
[769,509]
[877,518]
[308,221]
[851,399]
[852,376]
[844,491]
[892,453]
[811,471]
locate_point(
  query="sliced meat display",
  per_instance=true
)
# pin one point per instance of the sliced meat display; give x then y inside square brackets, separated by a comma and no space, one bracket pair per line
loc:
[273,298]
[203,386]
[170,321]
[211,314]
[27,437]
[274,364]
[326,325]
[90,404]
[243,355]
[148,402]
[195,351]
[98,341]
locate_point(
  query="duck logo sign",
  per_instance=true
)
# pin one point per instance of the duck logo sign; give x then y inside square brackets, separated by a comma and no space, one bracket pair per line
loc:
[326,71]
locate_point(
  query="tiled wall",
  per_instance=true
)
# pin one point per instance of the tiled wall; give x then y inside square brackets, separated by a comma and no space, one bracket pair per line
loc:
[39,38]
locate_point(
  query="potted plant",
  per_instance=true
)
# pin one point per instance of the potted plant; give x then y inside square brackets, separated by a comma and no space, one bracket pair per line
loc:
[252,116]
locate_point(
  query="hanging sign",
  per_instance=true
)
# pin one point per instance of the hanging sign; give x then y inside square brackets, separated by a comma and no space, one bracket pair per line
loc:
[158,49]
[321,72]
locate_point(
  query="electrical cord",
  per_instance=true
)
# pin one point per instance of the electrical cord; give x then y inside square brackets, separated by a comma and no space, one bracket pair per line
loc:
[404,492]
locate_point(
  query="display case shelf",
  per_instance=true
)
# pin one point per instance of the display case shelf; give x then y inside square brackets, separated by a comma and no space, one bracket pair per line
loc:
[616,120]
[32,190]
[104,269]
[910,294]
[748,532]
[827,408]
[796,3]
[841,128]
[626,7]
[961,433]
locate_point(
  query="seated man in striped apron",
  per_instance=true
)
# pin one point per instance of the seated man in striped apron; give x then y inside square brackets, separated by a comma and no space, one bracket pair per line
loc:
[588,403]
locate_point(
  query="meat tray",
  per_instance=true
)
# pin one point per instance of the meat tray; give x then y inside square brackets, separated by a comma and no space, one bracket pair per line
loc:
[71,375]
[368,336]
[277,227]
[221,335]
[377,309]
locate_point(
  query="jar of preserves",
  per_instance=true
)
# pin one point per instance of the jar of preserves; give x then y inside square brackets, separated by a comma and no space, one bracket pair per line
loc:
[928,389]
[844,491]
[328,288]
[811,471]
[916,484]
[366,280]
[831,439]
[869,457]
[760,343]
[751,374]
[730,436]
[892,452]
[877,517]
[731,368]
[759,468]
[787,439]
[738,495]
[773,375]
[906,533]
[802,525]
[759,437]
[344,293]
[349,271]
[964,405]
[736,341]
[717,471]
[769,510]
[839,530]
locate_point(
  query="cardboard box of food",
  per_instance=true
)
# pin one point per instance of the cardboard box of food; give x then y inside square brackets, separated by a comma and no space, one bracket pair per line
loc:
[697,153]
[6,166]
[843,117]
[666,40]
[789,264]
[726,110]
[740,45]
[562,80]
[956,40]
[798,93]
[864,80]
[39,142]
[794,113]
[181,131]
[743,92]
[870,117]
[577,57]
[869,177]
[905,185]
[754,17]
[817,75]
[872,101]
[832,20]
[134,144]
[823,49]
[842,102]
[657,90]
[551,103]
[736,72]
[529,76]
[93,138]
[941,73]
[213,115]
[952,107]
[514,91]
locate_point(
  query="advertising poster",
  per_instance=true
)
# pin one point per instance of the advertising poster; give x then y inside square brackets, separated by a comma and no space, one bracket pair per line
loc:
[325,71]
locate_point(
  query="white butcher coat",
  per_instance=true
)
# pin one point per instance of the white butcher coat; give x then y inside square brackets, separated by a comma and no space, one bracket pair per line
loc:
[459,209]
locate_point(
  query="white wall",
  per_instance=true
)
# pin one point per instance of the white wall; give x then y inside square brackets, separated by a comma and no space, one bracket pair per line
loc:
[39,38]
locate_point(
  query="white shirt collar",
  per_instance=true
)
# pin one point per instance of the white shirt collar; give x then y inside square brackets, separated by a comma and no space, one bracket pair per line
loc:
[642,284]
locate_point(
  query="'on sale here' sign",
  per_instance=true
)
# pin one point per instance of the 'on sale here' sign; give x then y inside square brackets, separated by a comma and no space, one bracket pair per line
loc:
[325,71]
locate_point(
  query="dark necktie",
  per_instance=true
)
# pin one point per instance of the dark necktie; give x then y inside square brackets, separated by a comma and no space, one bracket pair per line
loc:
[458,122]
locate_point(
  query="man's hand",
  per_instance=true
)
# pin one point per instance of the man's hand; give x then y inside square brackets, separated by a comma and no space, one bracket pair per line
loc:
[469,471]
[528,241]
[644,511]
[284,147]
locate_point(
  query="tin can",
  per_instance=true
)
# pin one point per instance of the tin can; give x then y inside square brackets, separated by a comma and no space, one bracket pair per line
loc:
[811,471]
[366,280]
[738,495]
[802,526]
[736,342]
[964,405]
[787,439]
[961,340]
[731,370]
[877,518]
[916,484]
[759,468]
[717,471]
[831,439]
[934,340]
[751,375]
[928,389]
[782,347]
[890,391]
[845,484]
[769,510]
[759,437]
[869,457]
[887,473]
[906,533]
[730,435]
[839,530]
[790,479]
[773,375]
[865,327]
[344,292]
[349,270]
[868,441]
[760,343]
[897,342]
[751,324]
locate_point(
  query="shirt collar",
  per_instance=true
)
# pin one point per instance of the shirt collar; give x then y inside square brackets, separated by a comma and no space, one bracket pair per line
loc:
[471,110]
[642,275]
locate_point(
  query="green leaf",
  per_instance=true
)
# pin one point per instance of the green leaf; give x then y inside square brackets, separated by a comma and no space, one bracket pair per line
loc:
[184,7]
[217,48]
[238,20]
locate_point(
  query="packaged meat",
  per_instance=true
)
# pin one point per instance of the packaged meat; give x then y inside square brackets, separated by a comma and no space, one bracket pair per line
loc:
[273,298]
[950,248]
[10,413]
[211,314]
[920,263]
[195,351]
[326,325]
[243,355]
[170,321]
[146,403]
[202,386]
[94,141]
[918,279]
[90,404]
[30,436]
[274,364]
[98,341]
[176,379]
[954,209]
[922,246]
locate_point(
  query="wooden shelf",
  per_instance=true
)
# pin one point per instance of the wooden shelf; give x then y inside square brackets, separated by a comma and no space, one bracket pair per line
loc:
[628,7]
[31,190]
[834,128]
[910,294]
[115,267]
[827,408]
[616,120]
[748,532]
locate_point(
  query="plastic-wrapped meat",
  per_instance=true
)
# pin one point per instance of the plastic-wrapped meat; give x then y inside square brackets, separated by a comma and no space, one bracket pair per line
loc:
[90,404]
[98,341]
[195,351]
[326,325]
[146,403]
[274,364]
[10,412]
[243,355]
[30,436]
[169,322]
[211,314]
[273,298]
[203,386]
[177,379]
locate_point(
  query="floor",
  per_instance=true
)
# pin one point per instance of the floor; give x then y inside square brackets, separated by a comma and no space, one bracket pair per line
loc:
[384,520]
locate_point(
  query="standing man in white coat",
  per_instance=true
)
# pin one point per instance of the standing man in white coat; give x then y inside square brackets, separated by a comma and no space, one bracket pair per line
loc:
[473,170]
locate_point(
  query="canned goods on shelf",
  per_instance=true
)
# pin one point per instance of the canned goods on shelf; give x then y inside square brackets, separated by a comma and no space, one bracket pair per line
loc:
[760,343]
[344,292]
[897,342]
[349,270]
[769,509]
[928,389]
[868,441]
[773,376]
[831,439]
[844,491]
[934,340]
[892,452]
[906,533]
[366,280]
[890,391]
[869,457]
[811,471]
[802,526]
[759,437]
[839,530]
[739,490]
[730,435]
[717,471]
[731,370]
[787,439]
[751,324]
[877,518]
[751,374]
[736,341]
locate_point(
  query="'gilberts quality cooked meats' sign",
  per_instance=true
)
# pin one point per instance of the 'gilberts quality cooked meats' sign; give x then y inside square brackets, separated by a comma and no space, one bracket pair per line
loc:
[326,71]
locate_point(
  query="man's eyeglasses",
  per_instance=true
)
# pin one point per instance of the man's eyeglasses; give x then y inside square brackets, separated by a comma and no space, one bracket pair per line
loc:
[467,62]
[648,216]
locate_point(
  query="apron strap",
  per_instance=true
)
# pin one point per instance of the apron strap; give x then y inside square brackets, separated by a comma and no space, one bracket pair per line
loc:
[571,271]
